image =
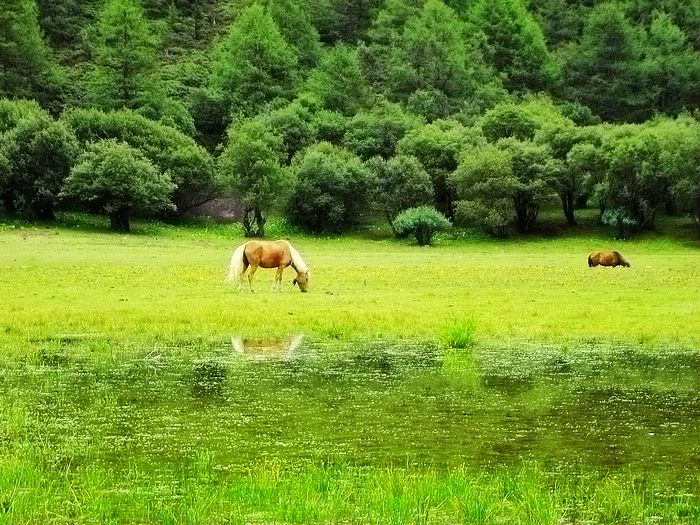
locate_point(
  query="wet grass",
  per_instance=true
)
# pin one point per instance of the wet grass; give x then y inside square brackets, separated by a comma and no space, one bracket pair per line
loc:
[377,432]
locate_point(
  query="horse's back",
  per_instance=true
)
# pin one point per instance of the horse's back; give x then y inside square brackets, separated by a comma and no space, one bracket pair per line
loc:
[607,258]
[267,254]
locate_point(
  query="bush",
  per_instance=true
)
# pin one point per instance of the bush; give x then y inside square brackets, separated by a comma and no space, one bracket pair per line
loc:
[423,222]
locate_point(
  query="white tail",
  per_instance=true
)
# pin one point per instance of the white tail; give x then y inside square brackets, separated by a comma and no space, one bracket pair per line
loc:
[237,267]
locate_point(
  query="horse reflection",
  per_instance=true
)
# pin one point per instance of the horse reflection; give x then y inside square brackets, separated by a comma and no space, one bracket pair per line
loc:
[268,254]
[259,349]
[609,258]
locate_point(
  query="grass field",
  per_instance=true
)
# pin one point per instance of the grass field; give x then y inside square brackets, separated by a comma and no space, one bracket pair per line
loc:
[121,401]
[167,284]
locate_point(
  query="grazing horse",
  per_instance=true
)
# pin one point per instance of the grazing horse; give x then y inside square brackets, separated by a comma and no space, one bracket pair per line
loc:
[268,254]
[611,258]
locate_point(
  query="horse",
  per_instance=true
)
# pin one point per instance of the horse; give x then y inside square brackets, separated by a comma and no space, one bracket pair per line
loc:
[268,254]
[610,258]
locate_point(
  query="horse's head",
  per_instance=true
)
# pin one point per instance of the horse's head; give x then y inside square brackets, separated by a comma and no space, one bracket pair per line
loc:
[302,279]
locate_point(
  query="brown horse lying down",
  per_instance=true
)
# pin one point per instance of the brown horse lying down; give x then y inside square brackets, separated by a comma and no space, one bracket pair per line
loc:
[611,258]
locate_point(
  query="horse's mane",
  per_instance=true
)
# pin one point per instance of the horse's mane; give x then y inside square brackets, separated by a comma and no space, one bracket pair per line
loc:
[297,261]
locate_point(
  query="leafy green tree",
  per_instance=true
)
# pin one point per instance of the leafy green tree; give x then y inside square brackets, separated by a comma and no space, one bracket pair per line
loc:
[294,124]
[484,184]
[438,146]
[12,112]
[423,222]
[251,168]
[39,153]
[125,58]
[519,120]
[496,180]
[643,164]
[683,13]
[342,20]
[529,163]
[400,183]
[294,22]
[573,163]
[601,70]
[27,68]
[254,63]
[377,131]
[418,55]
[338,82]
[120,180]
[189,165]
[670,67]
[514,44]
[331,188]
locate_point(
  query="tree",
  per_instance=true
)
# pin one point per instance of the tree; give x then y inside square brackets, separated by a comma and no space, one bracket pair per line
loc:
[120,180]
[513,44]
[423,222]
[484,184]
[377,131]
[27,68]
[294,22]
[495,180]
[188,164]
[250,167]
[400,183]
[342,20]
[125,58]
[39,153]
[601,70]
[438,146]
[418,56]
[574,161]
[670,67]
[254,64]
[338,82]
[330,190]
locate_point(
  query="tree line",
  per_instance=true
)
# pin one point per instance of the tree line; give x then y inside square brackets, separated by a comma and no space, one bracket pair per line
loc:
[428,112]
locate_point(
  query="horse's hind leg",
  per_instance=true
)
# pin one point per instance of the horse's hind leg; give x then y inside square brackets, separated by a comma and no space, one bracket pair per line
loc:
[241,275]
[251,274]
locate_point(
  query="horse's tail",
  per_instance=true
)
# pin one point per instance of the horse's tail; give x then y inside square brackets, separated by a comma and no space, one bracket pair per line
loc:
[622,261]
[237,264]
[590,261]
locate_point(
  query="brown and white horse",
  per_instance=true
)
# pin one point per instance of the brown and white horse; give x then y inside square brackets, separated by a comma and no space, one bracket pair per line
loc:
[268,254]
[611,258]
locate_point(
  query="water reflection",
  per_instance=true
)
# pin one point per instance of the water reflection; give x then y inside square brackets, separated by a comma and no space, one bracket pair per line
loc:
[373,402]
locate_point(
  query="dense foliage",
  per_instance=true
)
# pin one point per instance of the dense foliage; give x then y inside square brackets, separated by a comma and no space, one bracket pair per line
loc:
[486,110]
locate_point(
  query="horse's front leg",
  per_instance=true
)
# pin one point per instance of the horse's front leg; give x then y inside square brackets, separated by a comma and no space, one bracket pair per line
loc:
[277,284]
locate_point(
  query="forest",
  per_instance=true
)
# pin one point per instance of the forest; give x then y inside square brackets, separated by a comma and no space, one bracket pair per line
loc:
[424,113]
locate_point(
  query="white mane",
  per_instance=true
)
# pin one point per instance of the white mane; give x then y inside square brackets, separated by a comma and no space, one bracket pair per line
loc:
[297,261]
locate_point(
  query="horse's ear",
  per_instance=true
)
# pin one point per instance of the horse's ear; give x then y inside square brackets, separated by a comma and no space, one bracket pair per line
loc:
[294,281]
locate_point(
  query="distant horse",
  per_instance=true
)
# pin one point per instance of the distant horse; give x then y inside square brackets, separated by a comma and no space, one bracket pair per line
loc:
[268,254]
[611,258]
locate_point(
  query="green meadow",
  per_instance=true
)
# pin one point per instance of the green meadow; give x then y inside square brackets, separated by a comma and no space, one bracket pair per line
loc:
[166,284]
[473,381]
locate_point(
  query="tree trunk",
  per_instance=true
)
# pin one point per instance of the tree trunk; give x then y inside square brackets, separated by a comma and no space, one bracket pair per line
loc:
[254,222]
[568,202]
[119,220]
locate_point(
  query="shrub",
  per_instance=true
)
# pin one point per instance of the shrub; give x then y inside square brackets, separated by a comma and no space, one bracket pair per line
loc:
[423,222]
